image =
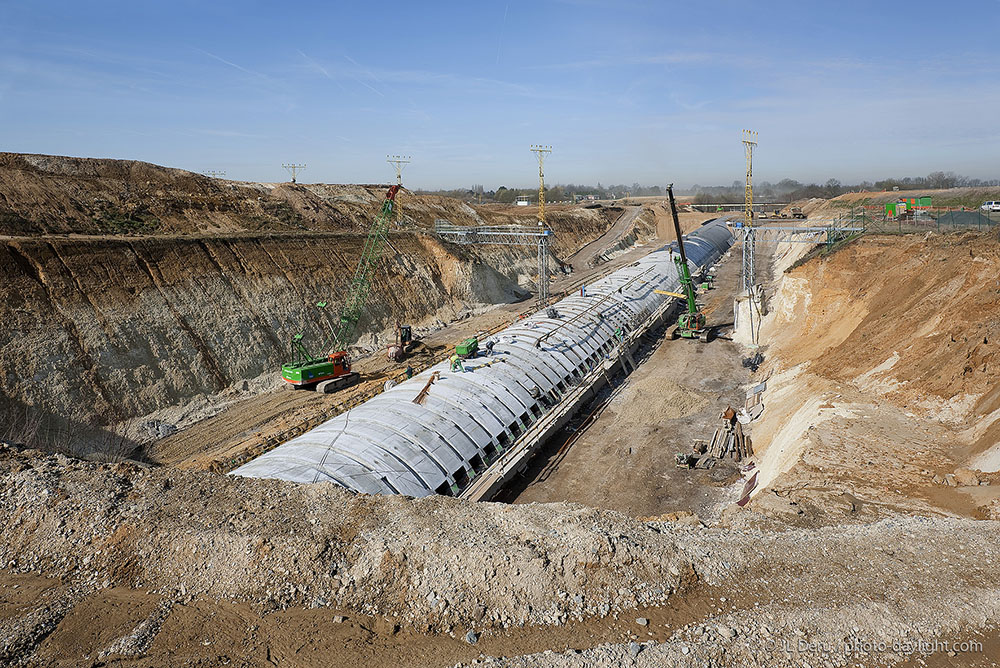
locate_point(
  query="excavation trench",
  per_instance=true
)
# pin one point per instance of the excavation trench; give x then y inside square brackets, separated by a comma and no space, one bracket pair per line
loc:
[880,405]
[619,451]
[464,429]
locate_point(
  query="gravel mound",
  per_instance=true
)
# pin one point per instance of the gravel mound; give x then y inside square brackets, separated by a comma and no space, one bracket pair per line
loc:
[856,594]
[434,562]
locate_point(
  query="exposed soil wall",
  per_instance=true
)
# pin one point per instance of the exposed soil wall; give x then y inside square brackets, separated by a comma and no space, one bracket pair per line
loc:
[115,329]
[882,383]
[127,287]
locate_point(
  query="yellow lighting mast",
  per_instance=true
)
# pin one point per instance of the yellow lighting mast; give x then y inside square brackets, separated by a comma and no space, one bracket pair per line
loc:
[749,269]
[543,239]
[540,152]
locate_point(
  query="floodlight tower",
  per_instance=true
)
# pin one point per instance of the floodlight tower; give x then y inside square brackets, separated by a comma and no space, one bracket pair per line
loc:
[540,153]
[749,240]
[398,162]
[293,169]
[214,173]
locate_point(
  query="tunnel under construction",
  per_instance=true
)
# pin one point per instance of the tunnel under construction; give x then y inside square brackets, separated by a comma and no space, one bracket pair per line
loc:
[464,432]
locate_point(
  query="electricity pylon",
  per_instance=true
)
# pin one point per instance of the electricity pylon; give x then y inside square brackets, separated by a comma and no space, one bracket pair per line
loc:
[293,169]
[749,267]
[540,152]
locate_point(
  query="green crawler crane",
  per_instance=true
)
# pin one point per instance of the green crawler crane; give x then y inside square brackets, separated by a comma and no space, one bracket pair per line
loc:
[330,372]
[691,323]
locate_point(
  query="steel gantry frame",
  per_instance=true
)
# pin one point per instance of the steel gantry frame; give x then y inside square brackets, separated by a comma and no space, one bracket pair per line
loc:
[820,234]
[507,235]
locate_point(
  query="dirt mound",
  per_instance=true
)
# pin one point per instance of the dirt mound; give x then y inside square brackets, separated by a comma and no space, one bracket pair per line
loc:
[59,195]
[280,544]
[41,194]
[143,552]
[881,381]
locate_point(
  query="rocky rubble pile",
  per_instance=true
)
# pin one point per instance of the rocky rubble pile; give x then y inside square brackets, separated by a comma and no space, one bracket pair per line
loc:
[434,563]
[857,595]
[794,596]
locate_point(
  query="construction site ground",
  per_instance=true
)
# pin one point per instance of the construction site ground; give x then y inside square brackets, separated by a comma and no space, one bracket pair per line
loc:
[871,539]
[224,436]
[622,457]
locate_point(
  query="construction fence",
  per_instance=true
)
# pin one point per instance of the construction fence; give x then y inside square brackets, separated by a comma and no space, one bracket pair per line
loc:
[875,220]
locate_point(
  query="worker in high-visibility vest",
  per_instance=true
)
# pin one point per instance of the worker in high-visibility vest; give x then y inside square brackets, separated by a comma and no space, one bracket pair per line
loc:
[456,363]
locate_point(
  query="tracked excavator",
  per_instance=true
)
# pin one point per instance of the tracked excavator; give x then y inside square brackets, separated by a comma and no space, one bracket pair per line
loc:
[330,372]
[403,345]
[690,323]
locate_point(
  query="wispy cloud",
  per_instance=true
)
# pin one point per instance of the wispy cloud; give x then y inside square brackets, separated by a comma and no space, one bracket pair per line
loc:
[503,28]
[232,64]
[229,133]
[315,66]
[360,80]
[671,58]
[378,79]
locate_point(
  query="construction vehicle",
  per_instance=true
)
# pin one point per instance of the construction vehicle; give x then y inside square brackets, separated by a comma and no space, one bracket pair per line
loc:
[467,348]
[797,212]
[690,323]
[403,345]
[332,372]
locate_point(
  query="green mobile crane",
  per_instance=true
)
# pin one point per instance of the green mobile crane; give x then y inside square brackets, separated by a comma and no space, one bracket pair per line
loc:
[330,372]
[691,323]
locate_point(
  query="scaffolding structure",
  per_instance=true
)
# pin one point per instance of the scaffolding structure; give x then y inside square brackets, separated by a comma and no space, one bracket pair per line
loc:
[828,234]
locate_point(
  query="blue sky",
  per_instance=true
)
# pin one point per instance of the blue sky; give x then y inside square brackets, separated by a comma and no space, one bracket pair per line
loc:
[624,91]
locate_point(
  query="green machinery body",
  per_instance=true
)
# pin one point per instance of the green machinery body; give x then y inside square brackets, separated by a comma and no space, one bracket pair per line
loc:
[307,368]
[691,323]
[467,348]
